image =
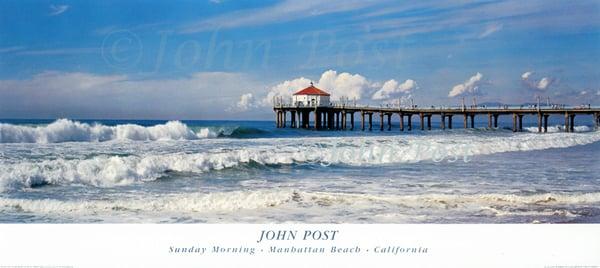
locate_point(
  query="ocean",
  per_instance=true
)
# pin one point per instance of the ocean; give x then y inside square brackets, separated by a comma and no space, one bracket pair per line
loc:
[142,171]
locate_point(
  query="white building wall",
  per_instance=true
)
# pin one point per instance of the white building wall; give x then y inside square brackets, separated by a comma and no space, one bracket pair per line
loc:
[310,100]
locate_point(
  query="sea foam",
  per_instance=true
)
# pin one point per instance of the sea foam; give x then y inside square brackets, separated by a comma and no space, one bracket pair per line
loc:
[107,170]
[289,201]
[559,128]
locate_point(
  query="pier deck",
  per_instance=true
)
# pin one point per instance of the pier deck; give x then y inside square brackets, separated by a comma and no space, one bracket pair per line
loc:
[338,117]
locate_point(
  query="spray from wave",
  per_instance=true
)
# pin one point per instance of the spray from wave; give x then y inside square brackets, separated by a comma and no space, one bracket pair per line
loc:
[559,128]
[64,130]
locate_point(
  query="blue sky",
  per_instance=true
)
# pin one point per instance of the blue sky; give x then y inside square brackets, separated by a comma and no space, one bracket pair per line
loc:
[230,59]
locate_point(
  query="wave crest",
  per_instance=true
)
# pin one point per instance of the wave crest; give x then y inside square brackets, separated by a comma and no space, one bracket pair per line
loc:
[64,130]
[106,170]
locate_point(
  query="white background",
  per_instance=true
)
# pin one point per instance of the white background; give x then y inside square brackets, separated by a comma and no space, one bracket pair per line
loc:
[147,245]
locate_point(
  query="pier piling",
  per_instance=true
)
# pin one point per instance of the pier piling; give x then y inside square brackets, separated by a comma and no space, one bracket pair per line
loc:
[362,121]
[472,120]
[281,120]
[443,121]
[293,118]
[572,123]
[428,122]
[401,121]
[496,120]
[307,119]
[520,122]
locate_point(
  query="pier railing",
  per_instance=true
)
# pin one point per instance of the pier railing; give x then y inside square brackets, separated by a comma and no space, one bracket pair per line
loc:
[438,108]
[335,116]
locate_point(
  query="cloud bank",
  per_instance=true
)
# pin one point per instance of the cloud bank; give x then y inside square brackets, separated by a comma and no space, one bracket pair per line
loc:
[54,94]
[341,86]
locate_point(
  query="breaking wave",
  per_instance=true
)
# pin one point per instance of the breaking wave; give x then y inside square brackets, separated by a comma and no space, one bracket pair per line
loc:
[106,170]
[64,130]
[559,128]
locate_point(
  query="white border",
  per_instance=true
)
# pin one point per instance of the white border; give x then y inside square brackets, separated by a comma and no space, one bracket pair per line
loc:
[147,245]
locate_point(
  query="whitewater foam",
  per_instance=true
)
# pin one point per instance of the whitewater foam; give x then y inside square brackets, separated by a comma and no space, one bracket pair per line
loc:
[191,202]
[559,128]
[64,130]
[106,171]
[293,201]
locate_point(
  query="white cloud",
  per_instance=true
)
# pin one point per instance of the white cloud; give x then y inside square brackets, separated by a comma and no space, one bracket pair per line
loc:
[471,86]
[388,88]
[246,102]
[346,85]
[284,90]
[392,88]
[526,75]
[58,9]
[539,85]
[490,29]
[544,83]
[339,85]
[351,86]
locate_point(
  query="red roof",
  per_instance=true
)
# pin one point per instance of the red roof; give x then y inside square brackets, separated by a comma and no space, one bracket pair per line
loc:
[312,91]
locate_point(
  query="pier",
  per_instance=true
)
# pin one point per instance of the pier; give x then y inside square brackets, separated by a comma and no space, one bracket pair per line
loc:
[342,117]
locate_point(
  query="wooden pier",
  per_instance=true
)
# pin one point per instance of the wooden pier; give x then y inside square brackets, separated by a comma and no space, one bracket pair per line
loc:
[343,117]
